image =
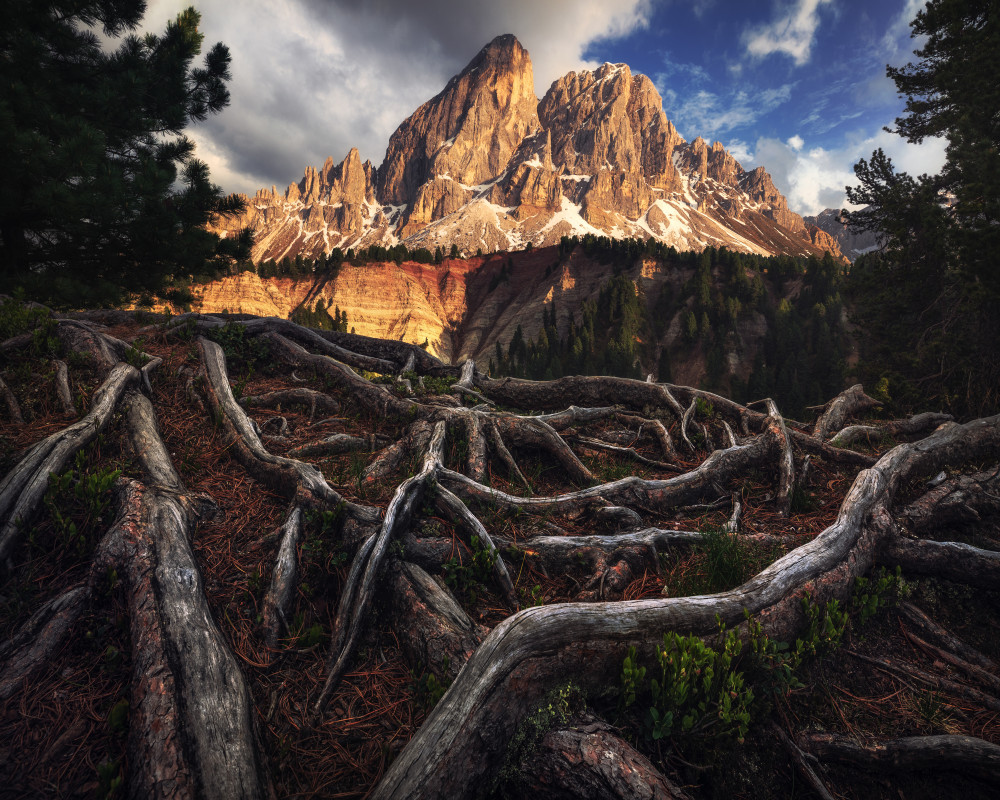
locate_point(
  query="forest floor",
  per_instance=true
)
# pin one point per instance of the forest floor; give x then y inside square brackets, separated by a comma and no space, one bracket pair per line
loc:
[64,733]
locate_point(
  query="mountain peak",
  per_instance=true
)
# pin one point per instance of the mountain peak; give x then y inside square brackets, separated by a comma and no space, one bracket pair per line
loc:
[485,165]
[465,134]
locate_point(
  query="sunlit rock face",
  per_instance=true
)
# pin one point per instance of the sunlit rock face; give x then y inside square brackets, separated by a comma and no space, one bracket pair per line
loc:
[486,166]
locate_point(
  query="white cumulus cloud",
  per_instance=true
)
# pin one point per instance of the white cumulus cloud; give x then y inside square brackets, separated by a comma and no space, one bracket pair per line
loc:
[791,33]
[813,178]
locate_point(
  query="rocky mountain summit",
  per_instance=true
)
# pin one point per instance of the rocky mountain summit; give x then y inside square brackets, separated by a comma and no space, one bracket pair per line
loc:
[485,165]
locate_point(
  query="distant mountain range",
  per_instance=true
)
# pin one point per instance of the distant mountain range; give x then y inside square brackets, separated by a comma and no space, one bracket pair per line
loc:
[485,165]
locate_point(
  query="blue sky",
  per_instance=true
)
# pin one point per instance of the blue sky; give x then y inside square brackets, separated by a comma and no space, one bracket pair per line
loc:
[797,86]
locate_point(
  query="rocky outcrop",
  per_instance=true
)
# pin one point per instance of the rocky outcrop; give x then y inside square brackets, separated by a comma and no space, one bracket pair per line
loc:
[486,166]
[760,189]
[851,243]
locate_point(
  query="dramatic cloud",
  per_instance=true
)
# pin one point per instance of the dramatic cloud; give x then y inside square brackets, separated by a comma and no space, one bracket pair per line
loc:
[313,78]
[791,33]
[814,178]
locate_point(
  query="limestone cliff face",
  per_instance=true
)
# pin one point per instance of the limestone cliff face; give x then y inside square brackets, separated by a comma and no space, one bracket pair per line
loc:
[486,166]
[469,131]
[413,302]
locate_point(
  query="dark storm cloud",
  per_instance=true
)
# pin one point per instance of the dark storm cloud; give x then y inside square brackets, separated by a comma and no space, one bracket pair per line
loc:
[313,78]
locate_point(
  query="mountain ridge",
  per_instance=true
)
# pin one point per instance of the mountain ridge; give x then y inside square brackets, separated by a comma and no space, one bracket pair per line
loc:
[486,166]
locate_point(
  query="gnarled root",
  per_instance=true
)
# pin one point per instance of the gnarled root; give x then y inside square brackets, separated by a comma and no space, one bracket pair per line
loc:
[24,486]
[524,655]
[431,627]
[963,754]
[181,708]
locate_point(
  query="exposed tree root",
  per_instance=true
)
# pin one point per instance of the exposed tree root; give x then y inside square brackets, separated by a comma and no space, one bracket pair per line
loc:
[192,731]
[589,761]
[431,627]
[454,507]
[526,653]
[959,501]
[954,561]
[936,681]
[356,599]
[918,425]
[338,444]
[802,764]
[23,488]
[944,638]
[310,398]
[63,393]
[848,403]
[963,754]
[284,577]
[13,407]
[40,638]
[718,468]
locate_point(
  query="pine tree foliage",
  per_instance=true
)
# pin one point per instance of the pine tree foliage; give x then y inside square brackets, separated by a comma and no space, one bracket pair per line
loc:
[100,193]
[930,302]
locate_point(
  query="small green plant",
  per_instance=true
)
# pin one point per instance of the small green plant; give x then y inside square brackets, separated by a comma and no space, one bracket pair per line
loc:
[703,408]
[109,779]
[134,354]
[427,689]
[882,590]
[825,627]
[533,597]
[311,636]
[249,350]
[633,680]
[556,709]
[467,579]
[118,717]
[78,501]
[700,691]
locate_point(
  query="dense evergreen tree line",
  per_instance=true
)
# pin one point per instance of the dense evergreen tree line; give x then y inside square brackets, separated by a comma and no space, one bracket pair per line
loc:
[800,361]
